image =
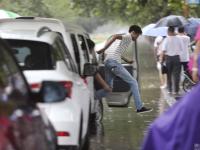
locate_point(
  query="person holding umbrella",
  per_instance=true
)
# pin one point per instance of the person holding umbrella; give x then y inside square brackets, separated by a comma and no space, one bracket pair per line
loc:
[178,128]
[171,51]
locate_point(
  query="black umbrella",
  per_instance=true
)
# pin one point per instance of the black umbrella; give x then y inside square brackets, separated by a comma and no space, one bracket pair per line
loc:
[172,20]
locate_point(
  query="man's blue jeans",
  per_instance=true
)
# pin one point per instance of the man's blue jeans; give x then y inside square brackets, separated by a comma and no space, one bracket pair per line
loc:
[112,69]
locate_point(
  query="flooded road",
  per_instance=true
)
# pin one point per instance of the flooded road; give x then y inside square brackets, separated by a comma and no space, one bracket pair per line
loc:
[122,128]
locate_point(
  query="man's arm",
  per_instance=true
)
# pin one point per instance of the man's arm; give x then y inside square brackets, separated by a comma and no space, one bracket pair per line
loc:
[127,60]
[161,57]
[109,42]
[102,82]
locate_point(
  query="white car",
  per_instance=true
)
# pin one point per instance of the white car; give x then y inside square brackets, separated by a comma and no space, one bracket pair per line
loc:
[43,56]
[73,37]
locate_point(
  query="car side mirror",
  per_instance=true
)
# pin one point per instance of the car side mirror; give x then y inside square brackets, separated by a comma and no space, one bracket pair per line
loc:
[89,69]
[52,91]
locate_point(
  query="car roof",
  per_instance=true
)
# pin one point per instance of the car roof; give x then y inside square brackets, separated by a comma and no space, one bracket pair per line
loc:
[29,35]
[24,22]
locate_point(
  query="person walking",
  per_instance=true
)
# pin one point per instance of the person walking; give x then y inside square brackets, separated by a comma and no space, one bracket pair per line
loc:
[161,66]
[171,51]
[178,127]
[113,66]
[184,56]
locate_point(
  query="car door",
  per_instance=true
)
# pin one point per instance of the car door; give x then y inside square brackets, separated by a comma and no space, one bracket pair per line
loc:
[82,94]
[18,114]
[82,57]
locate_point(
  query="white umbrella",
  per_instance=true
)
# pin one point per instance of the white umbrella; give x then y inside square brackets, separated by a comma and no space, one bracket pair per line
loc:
[148,27]
[159,31]
[7,14]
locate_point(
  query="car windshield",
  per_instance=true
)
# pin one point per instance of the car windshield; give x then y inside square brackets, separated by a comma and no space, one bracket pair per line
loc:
[32,55]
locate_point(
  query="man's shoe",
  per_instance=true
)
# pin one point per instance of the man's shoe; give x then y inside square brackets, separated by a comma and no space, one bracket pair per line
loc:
[144,110]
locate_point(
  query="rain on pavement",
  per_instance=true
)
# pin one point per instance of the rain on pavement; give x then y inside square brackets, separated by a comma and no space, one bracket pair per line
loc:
[122,128]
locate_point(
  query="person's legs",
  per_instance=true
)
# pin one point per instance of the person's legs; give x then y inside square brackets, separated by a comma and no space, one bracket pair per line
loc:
[185,66]
[169,66]
[109,80]
[176,73]
[99,94]
[121,72]
[109,76]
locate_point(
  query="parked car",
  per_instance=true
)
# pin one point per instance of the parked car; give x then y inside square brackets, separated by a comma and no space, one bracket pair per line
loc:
[22,125]
[42,55]
[73,37]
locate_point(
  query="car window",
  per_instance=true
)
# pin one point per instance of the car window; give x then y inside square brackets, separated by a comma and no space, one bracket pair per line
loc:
[31,55]
[67,55]
[83,46]
[92,52]
[60,54]
[76,51]
[13,89]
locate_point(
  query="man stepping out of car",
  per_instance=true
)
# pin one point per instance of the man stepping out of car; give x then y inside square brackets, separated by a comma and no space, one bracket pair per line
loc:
[113,66]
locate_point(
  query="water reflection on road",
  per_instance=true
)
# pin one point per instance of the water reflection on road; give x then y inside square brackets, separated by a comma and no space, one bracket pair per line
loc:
[123,128]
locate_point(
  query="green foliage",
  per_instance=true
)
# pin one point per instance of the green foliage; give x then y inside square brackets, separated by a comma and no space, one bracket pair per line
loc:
[91,12]
[131,11]
[26,7]
[61,9]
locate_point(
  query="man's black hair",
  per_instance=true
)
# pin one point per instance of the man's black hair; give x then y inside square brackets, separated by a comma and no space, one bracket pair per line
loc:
[171,29]
[135,28]
[181,29]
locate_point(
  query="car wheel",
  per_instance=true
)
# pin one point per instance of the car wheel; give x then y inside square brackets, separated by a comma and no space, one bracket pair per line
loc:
[187,85]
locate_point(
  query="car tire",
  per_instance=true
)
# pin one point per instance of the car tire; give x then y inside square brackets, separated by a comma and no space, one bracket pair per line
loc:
[187,84]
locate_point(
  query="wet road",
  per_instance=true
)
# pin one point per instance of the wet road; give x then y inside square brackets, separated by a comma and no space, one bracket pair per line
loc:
[123,128]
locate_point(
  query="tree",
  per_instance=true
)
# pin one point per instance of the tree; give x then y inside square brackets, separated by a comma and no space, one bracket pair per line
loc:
[26,7]
[139,11]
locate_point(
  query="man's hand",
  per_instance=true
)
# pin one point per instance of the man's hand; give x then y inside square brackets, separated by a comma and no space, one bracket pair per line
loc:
[100,51]
[130,62]
[127,60]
